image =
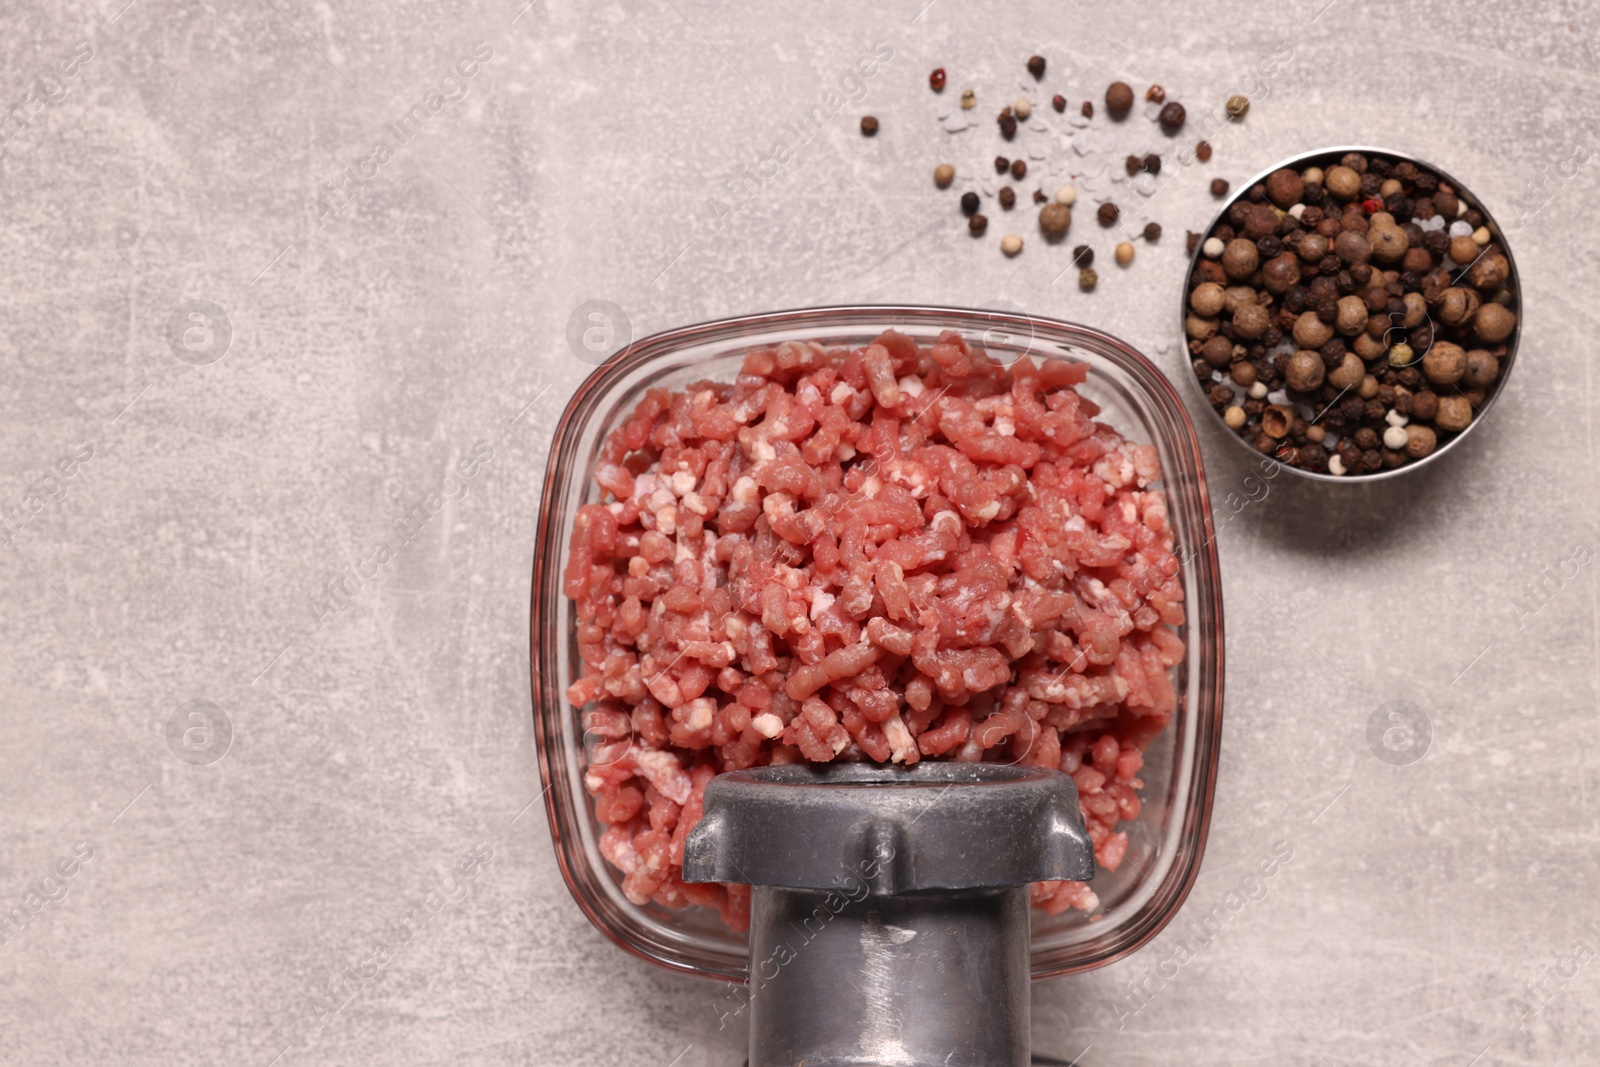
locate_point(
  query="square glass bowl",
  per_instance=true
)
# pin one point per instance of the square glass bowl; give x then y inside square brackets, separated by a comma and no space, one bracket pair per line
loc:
[1167,839]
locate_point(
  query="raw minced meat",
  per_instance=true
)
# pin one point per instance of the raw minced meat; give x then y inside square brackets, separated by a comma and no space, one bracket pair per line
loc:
[888,553]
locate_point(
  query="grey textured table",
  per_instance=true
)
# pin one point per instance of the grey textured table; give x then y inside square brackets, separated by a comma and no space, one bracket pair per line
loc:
[391,310]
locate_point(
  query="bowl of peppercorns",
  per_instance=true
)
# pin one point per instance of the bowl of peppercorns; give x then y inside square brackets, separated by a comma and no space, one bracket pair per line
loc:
[1352,313]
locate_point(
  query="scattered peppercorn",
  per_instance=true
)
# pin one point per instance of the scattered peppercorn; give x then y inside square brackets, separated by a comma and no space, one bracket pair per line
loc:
[1058,102]
[1202,151]
[1238,105]
[969,99]
[1022,107]
[1124,253]
[969,202]
[1107,214]
[1219,187]
[1342,320]
[1172,117]
[1010,244]
[1019,169]
[1036,66]
[1087,110]
[1119,100]
[1008,197]
[1152,232]
[976,225]
[936,80]
[943,175]
[1039,197]
[1083,256]
[1054,220]
[869,126]
[1087,279]
[1155,94]
[1008,124]
[1152,163]
[1133,165]
[1001,164]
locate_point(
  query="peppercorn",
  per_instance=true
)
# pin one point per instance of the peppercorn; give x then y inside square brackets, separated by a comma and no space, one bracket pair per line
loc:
[1366,438]
[1219,188]
[1039,197]
[1054,219]
[1001,164]
[1124,253]
[969,202]
[1240,258]
[1243,373]
[1087,110]
[1217,351]
[1108,212]
[1285,187]
[1133,164]
[936,80]
[1022,107]
[943,175]
[1276,420]
[1036,66]
[1234,417]
[1119,100]
[1008,197]
[869,126]
[1482,369]
[1058,102]
[1172,118]
[1008,124]
[1011,244]
[1424,405]
[1494,323]
[1152,232]
[969,99]
[1445,363]
[1019,169]
[1083,256]
[1420,441]
[1454,413]
[1066,194]
[1202,151]
[976,225]
[1087,279]
[1305,371]
[1238,105]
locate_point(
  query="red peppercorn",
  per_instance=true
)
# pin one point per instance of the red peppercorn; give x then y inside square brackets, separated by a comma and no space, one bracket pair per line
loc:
[1058,102]
[1372,206]
[936,80]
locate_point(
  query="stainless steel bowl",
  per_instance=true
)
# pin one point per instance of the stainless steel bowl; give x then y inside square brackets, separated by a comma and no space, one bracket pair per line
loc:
[1324,157]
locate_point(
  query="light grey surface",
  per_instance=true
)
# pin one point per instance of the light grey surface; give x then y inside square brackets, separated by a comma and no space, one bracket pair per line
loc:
[372,753]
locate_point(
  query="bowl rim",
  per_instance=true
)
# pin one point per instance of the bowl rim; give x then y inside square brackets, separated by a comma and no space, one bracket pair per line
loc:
[1168,896]
[1514,282]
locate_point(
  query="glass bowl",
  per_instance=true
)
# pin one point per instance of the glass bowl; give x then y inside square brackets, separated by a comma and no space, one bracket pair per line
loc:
[1327,157]
[1165,842]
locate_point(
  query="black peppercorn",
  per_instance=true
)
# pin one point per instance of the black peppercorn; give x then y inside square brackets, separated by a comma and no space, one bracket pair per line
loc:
[1001,164]
[1036,66]
[869,126]
[1083,257]
[1107,214]
[1133,164]
[969,203]
[1019,169]
[1269,246]
[1191,241]
[1008,197]
[1219,188]
[1172,117]
[1058,102]
[1152,231]
[1087,110]
[1008,124]
[1152,163]
[976,225]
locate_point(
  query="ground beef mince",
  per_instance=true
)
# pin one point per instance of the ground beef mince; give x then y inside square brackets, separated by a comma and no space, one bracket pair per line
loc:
[889,553]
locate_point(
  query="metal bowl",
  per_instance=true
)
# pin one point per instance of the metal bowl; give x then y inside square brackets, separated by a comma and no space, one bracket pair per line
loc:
[1325,157]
